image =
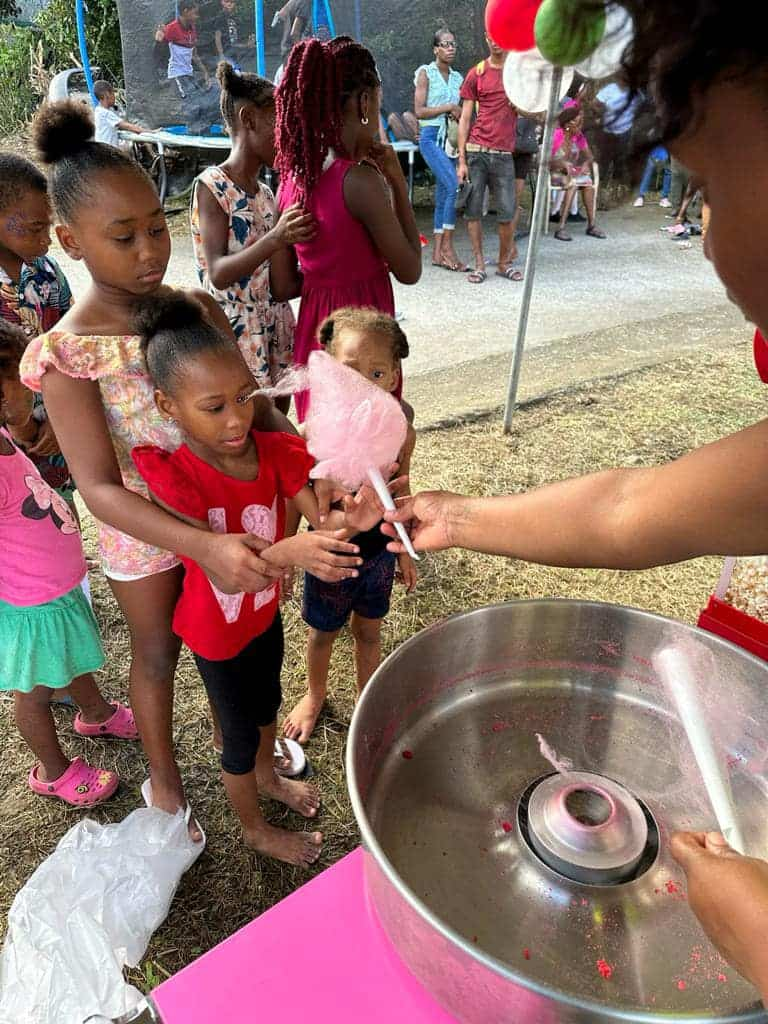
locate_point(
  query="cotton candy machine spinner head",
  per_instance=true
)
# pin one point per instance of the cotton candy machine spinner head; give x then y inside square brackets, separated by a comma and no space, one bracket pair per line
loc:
[517,894]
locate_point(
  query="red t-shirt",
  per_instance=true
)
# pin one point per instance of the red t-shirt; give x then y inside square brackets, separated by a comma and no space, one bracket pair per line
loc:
[495,126]
[178,35]
[760,349]
[213,624]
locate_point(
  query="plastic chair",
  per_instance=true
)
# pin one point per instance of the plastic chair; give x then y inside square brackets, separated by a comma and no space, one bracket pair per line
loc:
[561,188]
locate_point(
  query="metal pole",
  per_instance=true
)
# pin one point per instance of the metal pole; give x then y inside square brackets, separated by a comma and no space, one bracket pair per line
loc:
[260,58]
[358,22]
[537,217]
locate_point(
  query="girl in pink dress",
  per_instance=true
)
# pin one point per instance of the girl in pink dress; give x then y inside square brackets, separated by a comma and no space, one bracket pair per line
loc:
[331,163]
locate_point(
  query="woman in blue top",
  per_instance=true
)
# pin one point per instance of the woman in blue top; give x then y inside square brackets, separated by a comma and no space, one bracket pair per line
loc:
[436,102]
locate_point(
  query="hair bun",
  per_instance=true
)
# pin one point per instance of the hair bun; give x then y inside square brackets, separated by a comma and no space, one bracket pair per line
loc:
[62,129]
[169,310]
[228,78]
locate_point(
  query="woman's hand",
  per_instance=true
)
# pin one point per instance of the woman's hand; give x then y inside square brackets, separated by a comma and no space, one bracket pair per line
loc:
[428,517]
[324,554]
[729,895]
[455,112]
[232,562]
[294,227]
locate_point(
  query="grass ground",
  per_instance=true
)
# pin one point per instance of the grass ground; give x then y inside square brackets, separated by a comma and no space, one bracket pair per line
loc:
[650,416]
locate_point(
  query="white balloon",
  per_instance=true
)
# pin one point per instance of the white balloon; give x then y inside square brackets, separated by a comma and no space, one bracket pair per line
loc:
[528,79]
[606,59]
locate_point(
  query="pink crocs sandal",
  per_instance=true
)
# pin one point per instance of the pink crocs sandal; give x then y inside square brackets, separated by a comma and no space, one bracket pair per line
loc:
[81,785]
[121,725]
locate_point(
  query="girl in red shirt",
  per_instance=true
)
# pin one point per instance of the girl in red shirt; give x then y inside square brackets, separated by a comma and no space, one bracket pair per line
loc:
[229,477]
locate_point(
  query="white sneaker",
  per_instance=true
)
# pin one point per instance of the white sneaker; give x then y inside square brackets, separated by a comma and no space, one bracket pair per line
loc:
[665,203]
[639,201]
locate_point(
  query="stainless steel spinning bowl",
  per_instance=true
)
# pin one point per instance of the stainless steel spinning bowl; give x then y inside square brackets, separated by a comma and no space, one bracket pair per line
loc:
[441,753]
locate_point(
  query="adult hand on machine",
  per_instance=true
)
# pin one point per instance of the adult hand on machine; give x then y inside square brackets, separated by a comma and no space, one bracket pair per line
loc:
[728,893]
[429,519]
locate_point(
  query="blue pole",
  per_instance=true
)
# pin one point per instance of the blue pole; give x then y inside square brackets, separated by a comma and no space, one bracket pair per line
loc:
[329,18]
[83,45]
[358,22]
[260,58]
[315,15]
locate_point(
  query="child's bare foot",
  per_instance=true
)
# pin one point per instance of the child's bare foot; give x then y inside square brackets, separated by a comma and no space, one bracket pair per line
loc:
[298,725]
[300,848]
[170,799]
[302,797]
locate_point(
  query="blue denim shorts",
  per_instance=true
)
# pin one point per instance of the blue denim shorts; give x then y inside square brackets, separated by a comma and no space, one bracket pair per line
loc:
[328,606]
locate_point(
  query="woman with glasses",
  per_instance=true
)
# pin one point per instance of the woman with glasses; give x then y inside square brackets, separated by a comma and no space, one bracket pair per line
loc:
[438,108]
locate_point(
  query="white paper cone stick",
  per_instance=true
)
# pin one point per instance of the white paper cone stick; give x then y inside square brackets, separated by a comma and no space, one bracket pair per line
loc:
[676,672]
[388,502]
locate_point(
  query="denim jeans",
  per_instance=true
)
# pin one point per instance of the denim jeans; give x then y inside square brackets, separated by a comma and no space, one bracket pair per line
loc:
[444,170]
[649,176]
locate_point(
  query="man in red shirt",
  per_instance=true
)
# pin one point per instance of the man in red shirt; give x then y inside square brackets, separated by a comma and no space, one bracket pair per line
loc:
[486,158]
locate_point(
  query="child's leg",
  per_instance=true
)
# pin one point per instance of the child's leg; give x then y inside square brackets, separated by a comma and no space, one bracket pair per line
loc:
[148,606]
[38,729]
[299,724]
[302,797]
[93,708]
[367,634]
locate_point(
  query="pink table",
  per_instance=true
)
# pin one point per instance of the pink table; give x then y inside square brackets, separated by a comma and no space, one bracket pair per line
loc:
[317,955]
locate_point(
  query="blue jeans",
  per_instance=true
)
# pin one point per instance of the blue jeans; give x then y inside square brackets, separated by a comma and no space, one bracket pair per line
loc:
[649,175]
[444,170]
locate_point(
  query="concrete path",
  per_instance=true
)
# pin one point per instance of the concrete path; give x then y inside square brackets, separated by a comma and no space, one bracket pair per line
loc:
[599,308]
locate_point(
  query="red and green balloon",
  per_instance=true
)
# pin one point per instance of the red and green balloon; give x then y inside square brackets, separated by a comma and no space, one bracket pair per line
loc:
[565,31]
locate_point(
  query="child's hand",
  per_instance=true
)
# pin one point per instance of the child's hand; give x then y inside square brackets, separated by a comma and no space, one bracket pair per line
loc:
[295,226]
[160,34]
[326,493]
[286,585]
[232,562]
[326,555]
[406,573]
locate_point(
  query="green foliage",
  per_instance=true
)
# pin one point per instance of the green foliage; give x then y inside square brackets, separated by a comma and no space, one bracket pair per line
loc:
[8,9]
[31,55]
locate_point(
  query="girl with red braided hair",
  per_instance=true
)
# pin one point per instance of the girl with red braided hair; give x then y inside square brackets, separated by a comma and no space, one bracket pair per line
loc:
[332,164]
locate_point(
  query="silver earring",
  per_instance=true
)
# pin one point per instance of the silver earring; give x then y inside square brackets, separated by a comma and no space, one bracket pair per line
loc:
[363,120]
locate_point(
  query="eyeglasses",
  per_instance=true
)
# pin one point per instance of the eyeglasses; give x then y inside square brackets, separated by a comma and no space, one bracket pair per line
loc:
[446,46]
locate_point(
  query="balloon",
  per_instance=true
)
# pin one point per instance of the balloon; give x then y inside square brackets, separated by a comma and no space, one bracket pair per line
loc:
[528,80]
[509,23]
[606,60]
[568,32]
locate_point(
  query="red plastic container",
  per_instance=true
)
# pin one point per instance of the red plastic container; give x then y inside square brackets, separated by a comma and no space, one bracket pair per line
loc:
[741,629]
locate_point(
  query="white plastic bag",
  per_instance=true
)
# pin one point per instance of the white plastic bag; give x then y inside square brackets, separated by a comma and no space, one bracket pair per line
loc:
[85,913]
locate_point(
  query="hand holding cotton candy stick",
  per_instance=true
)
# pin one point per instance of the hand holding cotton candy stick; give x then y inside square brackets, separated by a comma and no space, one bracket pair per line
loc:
[676,667]
[353,429]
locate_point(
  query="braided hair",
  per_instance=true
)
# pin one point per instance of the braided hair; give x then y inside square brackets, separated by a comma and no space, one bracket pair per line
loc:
[17,177]
[63,135]
[318,81]
[238,88]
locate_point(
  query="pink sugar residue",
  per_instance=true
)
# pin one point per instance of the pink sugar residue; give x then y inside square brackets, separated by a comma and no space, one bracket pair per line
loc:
[408,755]
[526,954]
[507,826]
[721,977]
[672,888]
[560,764]
[604,968]
[498,727]
[682,985]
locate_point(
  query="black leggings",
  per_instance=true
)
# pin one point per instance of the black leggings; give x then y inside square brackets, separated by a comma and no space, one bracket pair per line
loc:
[245,690]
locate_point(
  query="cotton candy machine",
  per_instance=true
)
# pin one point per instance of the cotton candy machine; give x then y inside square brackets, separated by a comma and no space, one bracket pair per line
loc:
[518,894]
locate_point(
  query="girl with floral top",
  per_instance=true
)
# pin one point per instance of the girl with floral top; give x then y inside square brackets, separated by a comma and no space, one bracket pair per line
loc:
[235,229]
[93,377]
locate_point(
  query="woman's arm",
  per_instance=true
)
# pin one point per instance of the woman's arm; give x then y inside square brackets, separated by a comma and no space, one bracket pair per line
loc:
[420,108]
[74,407]
[712,501]
[225,268]
[285,278]
[389,219]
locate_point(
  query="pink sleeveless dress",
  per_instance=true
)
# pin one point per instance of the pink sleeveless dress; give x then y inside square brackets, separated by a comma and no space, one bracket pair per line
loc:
[341,265]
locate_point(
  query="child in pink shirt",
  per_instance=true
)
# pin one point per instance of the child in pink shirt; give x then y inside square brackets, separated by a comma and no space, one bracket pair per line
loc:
[49,639]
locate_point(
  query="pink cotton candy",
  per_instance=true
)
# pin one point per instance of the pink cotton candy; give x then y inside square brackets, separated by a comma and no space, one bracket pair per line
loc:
[352,425]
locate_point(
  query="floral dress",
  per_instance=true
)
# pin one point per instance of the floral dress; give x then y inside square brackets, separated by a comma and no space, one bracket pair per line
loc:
[127,394]
[263,328]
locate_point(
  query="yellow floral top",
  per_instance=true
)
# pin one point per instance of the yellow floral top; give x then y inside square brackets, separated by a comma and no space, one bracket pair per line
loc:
[127,393]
